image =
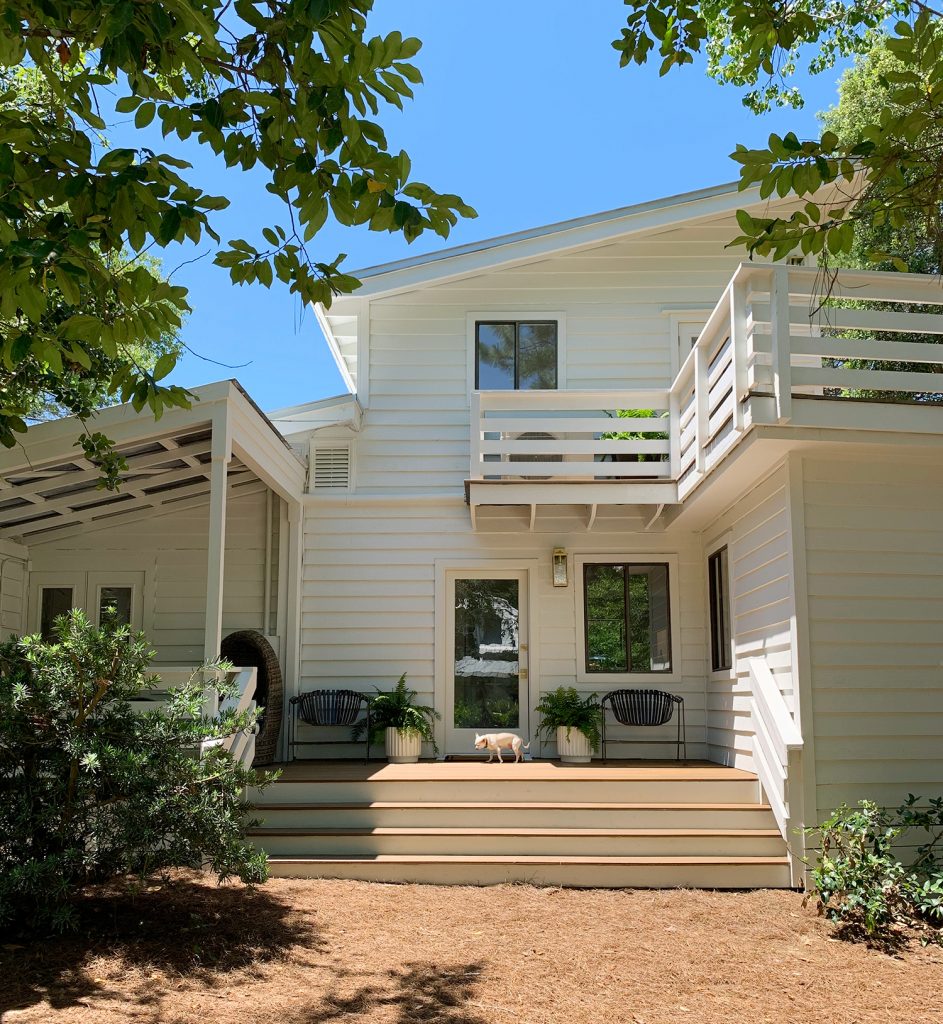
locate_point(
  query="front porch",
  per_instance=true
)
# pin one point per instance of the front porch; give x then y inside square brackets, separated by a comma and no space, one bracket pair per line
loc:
[625,823]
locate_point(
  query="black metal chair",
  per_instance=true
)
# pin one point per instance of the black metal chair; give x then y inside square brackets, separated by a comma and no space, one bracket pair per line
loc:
[645,708]
[327,708]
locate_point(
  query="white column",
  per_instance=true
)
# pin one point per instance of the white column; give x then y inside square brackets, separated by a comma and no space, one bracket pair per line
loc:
[216,544]
[293,599]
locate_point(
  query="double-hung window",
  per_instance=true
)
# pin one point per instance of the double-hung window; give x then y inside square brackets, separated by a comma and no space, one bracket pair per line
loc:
[515,355]
[626,615]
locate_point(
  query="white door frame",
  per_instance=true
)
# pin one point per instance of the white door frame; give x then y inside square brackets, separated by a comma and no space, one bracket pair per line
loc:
[444,570]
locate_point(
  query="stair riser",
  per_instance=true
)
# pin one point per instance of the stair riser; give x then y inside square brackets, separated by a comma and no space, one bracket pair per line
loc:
[589,876]
[657,791]
[498,817]
[533,846]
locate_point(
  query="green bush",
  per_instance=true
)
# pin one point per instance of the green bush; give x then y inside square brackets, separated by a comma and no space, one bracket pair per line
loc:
[859,880]
[565,708]
[92,788]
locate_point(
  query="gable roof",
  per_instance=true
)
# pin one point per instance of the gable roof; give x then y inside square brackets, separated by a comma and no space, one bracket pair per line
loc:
[595,229]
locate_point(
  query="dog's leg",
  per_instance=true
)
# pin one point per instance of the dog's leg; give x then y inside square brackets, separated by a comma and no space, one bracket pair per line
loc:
[500,758]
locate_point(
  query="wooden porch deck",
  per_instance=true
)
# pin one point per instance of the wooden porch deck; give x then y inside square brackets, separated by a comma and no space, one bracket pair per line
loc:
[526,771]
[650,823]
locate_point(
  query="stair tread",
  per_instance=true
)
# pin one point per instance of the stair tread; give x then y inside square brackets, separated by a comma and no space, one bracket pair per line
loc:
[429,831]
[509,805]
[418,858]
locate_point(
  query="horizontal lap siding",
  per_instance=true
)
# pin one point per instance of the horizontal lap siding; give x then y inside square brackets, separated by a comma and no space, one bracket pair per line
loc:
[761,591]
[171,550]
[12,595]
[415,432]
[874,538]
[369,601]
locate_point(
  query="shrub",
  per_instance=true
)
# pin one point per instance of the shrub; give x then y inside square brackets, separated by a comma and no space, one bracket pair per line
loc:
[859,880]
[565,708]
[91,788]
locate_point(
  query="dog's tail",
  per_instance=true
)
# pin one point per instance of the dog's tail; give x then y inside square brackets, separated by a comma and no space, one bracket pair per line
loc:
[527,746]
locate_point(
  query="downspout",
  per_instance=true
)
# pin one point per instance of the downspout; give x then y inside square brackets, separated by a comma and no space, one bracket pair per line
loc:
[651,522]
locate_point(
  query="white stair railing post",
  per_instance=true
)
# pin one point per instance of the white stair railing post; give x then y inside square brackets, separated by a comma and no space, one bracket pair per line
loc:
[474,417]
[779,333]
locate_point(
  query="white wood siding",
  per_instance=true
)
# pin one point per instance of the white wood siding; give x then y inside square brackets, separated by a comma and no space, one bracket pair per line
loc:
[758,535]
[369,601]
[171,550]
[874,555]
[614,297]
[12,588]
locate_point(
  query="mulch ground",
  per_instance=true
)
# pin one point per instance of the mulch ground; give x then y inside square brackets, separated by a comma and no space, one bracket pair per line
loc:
[312,952]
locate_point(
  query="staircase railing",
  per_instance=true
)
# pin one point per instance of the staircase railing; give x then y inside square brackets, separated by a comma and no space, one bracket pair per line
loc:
[777,758]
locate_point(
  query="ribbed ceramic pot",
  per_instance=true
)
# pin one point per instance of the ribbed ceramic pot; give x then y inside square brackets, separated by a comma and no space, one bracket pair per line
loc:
[403,746]
[572,746]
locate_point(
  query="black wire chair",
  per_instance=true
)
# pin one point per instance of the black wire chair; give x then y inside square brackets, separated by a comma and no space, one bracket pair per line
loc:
[327,708]
[645,708]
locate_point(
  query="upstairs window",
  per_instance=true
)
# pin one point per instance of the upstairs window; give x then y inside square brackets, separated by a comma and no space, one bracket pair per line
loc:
[515,355]
[719,597]
[626,616]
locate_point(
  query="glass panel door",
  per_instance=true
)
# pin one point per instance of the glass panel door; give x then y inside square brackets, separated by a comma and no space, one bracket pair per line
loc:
[488,658]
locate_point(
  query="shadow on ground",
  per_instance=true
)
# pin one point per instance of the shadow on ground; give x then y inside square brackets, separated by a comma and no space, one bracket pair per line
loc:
[182,927]
[421,992]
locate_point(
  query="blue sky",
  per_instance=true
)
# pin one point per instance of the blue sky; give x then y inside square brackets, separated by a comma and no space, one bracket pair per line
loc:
[526,114]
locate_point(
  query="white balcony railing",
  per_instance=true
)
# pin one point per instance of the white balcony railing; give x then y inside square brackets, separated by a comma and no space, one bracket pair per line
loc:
[778,335]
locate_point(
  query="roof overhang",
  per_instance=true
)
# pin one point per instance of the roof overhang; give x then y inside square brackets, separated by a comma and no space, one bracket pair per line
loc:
[48,486]
[565,236]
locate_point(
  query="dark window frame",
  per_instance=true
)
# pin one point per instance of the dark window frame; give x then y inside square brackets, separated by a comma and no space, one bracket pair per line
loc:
[718,604]
[516,324]
[627,568]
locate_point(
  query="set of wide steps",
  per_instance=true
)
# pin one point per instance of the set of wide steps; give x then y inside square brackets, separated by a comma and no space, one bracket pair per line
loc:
[659,826]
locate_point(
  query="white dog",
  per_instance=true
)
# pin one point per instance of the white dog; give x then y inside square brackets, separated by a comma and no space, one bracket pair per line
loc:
[494,741]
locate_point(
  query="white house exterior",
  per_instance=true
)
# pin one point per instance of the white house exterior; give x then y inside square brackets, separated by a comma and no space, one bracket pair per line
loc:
[778,543]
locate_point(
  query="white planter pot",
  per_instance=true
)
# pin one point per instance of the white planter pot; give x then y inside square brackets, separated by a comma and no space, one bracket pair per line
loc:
[403,746]
[572,746]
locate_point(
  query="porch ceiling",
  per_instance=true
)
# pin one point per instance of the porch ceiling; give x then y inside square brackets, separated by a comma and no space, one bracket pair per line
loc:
[47,486]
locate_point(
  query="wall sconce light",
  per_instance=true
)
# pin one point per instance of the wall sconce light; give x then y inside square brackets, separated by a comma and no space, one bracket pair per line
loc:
[559,567]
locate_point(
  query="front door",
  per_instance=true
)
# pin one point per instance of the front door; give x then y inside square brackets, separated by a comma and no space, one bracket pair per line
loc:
[487,685]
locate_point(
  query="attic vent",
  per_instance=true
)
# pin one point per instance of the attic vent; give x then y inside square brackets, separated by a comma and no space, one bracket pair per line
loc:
[331,469]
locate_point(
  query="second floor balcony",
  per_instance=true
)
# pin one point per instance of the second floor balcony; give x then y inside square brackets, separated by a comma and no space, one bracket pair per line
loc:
[790,355]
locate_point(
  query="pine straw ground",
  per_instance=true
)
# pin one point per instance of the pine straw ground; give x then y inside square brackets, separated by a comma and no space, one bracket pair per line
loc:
[312,952]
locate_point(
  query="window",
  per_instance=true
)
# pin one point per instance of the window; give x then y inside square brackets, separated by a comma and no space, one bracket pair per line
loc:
[515,355]
[114,606]
[626,618]
[54,601]
[719,599]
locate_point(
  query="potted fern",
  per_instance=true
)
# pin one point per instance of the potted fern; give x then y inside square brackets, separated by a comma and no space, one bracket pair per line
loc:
[404,723]
[573,720]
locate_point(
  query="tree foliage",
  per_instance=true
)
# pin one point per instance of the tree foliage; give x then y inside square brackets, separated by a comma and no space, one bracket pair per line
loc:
[288,87]
[886,170]
[92,787]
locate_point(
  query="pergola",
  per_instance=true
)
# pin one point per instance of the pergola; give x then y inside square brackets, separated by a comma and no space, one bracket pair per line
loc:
[221,444]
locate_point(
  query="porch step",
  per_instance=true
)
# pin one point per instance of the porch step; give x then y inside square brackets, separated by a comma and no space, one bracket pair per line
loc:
[582,872]
[511,842]
[543,822]
[538,814]
[568,789]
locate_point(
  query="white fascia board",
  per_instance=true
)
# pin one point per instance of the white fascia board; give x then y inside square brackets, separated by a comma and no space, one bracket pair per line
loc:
[321,315]
[585,232]
[339,411]
[55,440]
